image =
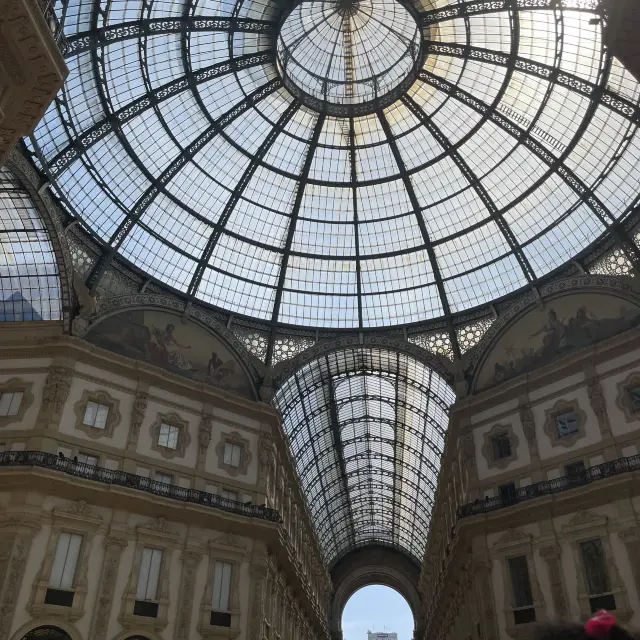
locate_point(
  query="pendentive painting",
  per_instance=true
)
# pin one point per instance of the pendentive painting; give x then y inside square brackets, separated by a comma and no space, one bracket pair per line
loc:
[564,325]
[163,340]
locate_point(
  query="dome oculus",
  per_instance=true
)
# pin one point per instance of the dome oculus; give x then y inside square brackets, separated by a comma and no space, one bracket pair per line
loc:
[348,56]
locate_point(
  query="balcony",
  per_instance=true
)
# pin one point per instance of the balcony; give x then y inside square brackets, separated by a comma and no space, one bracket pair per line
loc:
[549,487]
[133,481]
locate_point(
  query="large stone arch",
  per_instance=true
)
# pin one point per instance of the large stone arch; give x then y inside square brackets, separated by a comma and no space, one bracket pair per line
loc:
[368,566]
[611,301]
[284,370]
[32,625]
[220,337]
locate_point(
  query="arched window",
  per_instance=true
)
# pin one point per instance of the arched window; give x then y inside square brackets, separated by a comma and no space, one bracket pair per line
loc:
[47,633]
[29,276]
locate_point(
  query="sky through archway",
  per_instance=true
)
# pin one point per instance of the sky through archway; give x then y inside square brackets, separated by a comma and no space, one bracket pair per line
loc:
[376,608]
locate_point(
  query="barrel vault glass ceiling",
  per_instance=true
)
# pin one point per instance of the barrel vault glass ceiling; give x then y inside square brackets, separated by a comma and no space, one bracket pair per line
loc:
[500,144]
[366,427]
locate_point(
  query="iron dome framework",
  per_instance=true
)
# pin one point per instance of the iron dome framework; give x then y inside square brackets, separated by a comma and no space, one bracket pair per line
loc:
[177,145]
[366,428]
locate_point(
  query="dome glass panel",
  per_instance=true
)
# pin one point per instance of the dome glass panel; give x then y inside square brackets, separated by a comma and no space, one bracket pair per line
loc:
[343,163]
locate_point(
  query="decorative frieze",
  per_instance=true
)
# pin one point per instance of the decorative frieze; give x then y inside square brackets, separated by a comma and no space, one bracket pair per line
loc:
[551,554]
[57,386]
[114,545]
[190,560]
[138,413]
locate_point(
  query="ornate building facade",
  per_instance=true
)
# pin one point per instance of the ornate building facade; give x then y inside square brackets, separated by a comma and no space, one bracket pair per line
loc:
[268,336]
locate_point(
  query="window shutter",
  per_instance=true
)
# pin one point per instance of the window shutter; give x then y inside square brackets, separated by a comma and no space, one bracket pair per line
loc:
[221,586]
[150,564]
[65,560]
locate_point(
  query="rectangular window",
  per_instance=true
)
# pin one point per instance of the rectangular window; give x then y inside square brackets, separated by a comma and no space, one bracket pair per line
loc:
[168,436]
[524,610]
[95,415]
[634,397]
[501,447]
[229,495]
[87,458]
[149,575]
[65,560]
[232,454]
[595,572]
[163,477]
[566,424]
[575,470]
[508,492]
[221,586]
[10,403]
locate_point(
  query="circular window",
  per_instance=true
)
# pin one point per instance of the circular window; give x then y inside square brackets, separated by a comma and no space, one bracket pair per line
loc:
[348,56]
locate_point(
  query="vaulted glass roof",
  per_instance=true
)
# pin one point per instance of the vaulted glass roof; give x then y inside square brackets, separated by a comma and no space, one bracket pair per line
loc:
[366,427]
[418,171]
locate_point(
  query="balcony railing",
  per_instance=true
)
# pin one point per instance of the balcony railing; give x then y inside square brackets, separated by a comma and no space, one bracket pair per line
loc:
[133,481]
[549,487]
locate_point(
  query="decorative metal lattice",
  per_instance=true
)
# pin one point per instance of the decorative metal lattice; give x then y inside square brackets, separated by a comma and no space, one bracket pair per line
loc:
[255,341]
[471,334]
[285,347]
[613,263]
[436,342]
[83,259]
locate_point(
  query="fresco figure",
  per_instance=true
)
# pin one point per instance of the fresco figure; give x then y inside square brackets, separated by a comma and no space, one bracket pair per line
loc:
[170,348]
[555,330]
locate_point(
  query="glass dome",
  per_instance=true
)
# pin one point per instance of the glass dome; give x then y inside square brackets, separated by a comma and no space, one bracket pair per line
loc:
[491,150]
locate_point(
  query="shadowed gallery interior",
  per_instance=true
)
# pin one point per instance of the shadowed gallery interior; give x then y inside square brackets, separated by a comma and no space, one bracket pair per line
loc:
[300,296]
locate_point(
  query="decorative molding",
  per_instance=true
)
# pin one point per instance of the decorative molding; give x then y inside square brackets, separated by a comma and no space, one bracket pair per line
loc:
[584,519]
[623,401]
[174,420]
[551,415]
[57,386]
[14,553]
[552,554]
[113,418]
[234,438]
[17,385]
[528,425]
[487,447]
[599,405]
[138,412]
[190,560]
[512,537]
[114,545]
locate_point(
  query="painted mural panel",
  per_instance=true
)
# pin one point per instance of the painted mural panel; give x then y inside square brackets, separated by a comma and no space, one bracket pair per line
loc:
[564,325]
[162,339]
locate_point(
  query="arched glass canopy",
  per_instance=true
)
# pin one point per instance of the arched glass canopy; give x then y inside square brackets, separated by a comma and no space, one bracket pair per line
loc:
[512,149]
[29,275]
[366,428]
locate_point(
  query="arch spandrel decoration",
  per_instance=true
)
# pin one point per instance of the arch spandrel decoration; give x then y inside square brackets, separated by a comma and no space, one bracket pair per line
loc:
[176,343]
[570,314]
[366,427]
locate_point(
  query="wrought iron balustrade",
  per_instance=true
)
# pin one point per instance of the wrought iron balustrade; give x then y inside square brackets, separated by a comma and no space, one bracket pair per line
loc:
[133,481]
[549,487]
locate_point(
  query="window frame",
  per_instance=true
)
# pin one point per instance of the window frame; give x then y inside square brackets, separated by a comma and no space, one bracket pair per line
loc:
[234,439]
[98,407]
[623,399]
[103,398]
[499,431]
[17,385]
[183,438]
[560,408]
[228,549]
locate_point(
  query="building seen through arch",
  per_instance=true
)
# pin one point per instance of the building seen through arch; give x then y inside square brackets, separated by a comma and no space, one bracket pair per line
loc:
[301,297]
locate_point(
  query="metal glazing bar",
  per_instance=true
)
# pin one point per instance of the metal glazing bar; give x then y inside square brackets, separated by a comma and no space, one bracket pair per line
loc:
[479,7]
[614,101]
[113,120]
[83,41]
